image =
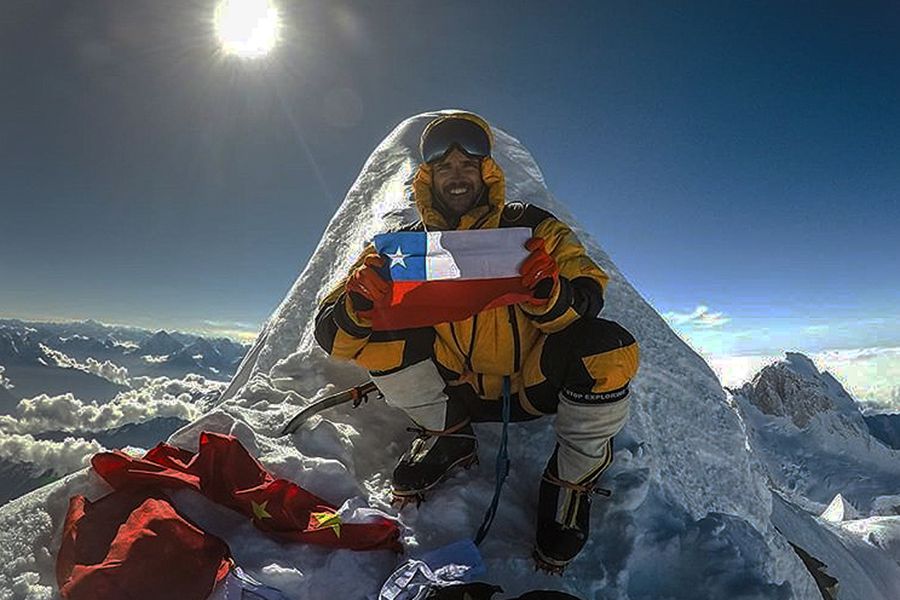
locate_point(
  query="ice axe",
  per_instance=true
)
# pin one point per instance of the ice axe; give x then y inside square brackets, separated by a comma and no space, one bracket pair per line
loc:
[357,395]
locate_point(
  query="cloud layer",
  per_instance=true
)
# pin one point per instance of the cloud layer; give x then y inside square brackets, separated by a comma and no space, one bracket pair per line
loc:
[61,458]
[107,369]
[154,397]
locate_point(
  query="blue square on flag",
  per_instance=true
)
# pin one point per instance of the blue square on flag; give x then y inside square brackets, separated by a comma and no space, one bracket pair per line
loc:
[404,254]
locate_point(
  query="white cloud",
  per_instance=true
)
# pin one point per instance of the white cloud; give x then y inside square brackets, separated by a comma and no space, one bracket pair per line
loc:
[871,375]
[233,325]
[700,317]
[107,369]
[4,382]
[734,371]
[150,358]
[155,397]
[859,354]
[62,457]
[237,330]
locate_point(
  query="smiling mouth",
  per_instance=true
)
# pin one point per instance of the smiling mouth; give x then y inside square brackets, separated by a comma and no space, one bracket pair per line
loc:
[457,191]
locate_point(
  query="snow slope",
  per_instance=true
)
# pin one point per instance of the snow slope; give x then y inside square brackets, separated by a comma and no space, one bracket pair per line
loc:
[690,516]
[861,554]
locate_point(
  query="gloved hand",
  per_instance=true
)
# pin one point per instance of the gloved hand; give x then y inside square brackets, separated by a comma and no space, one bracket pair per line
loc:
[540,273]
[366,286]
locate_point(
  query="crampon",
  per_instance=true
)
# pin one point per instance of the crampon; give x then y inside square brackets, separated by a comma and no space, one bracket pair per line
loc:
[404,498]
[548,566]
[401,501]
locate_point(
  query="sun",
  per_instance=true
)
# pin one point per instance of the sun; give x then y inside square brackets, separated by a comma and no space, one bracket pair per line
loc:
[247,28]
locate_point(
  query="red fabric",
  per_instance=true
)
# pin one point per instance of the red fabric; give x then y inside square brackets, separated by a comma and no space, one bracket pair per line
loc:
[425,303]
[135,546]
[224,472]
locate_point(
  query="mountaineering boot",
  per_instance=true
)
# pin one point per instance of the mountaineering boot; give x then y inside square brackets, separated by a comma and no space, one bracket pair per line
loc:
[563,516]
[433,454]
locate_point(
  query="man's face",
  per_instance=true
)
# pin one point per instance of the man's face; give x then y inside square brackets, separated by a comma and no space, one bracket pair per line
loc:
[456,180]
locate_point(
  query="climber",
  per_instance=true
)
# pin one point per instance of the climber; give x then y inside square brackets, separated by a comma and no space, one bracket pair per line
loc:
[559,356]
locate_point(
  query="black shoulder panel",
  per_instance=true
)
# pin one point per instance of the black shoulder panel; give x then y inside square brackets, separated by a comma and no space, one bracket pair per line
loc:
[519,214]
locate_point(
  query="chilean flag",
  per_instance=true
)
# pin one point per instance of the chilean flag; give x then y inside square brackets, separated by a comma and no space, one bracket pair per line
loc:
[444,276]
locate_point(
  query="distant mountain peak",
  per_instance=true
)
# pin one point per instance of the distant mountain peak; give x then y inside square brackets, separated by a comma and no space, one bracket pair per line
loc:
[802,365]
[159,344]
[792,387]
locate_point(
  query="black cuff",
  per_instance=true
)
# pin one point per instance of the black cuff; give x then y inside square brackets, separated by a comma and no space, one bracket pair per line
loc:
[562,304]
[345,322]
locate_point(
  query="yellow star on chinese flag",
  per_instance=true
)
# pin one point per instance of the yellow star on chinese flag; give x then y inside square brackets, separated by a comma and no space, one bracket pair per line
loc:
[325,520]
[259,510]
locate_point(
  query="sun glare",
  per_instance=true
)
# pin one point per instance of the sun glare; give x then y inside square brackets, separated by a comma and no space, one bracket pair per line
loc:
[247,28]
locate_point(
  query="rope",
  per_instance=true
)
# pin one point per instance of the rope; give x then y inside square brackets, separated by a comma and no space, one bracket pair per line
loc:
[502,467]
[449,432]
[575,487]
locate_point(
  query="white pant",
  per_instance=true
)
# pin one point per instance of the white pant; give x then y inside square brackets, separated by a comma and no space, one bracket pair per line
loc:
[418,390]
[583,432]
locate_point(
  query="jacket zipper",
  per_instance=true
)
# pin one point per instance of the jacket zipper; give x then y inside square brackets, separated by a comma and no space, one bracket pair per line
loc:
[516,344]
[479,383]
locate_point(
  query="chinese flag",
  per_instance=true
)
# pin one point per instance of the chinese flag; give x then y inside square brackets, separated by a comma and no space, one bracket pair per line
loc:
[224,472]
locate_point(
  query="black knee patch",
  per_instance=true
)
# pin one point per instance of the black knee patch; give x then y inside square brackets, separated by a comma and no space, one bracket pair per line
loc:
[562,364]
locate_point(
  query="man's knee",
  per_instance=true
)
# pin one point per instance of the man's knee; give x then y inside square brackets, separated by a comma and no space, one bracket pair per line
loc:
[605,358]
[591,361]
[586,423]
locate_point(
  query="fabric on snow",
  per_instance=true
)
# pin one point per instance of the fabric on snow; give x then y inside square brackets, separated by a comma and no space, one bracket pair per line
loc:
[131,545]
[224,472]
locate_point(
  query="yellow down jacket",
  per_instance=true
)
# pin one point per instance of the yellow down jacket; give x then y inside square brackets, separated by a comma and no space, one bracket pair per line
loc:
[496,342]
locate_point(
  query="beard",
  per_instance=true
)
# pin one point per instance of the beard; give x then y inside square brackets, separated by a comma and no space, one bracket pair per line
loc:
[455,206]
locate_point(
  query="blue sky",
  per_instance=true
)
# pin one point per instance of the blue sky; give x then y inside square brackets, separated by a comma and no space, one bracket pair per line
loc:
[738,160]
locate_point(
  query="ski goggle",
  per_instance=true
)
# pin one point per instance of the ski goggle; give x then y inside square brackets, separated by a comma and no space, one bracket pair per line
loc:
[441,137]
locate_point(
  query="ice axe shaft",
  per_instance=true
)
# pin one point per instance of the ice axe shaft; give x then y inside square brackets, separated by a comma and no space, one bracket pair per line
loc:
[357,395]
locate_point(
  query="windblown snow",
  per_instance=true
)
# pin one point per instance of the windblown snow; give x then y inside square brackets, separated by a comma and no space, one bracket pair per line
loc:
[691,511]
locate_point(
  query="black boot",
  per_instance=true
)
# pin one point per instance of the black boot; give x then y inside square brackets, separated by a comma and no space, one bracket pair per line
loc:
[433,454]
[563,517]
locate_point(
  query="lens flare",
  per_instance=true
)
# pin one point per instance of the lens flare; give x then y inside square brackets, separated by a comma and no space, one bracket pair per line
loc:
[247,28]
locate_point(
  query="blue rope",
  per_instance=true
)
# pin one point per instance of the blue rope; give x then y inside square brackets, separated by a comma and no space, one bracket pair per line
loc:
[502,467]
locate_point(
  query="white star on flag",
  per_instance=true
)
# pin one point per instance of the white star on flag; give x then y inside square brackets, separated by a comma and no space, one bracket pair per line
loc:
[398,258]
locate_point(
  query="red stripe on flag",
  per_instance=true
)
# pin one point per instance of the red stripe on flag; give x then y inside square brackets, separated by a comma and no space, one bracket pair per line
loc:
[425,303]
